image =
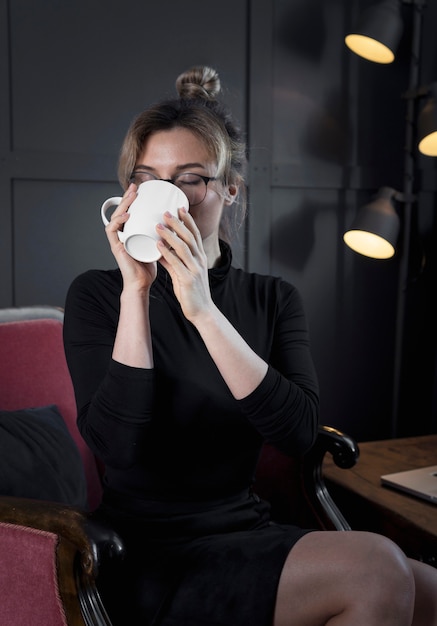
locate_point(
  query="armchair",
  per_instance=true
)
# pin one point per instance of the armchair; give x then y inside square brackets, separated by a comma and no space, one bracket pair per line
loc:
[51,551]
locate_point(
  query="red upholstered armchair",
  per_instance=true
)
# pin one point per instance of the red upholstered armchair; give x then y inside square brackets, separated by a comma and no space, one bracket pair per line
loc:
[51,548]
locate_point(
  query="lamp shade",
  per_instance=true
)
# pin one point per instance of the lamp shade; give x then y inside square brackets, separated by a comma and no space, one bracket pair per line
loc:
[427,124]
[375,229]
[378,32]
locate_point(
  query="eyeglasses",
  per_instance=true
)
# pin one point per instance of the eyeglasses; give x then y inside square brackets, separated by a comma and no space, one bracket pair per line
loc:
[194,186]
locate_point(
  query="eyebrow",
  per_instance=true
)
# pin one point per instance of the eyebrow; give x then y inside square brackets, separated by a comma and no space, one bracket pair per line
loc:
[178,167]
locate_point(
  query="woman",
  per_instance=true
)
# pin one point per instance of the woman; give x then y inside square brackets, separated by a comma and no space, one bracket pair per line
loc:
[182,368]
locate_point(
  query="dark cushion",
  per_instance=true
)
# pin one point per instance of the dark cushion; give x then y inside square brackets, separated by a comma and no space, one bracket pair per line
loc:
[39,458]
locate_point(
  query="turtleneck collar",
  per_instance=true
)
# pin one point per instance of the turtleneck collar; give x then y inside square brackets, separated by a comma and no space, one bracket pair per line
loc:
[220,271]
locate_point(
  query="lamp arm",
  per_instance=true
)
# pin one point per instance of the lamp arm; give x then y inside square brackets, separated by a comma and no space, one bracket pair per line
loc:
[408,192]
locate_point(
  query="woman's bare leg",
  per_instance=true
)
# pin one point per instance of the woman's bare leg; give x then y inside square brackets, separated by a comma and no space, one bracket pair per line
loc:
[345,578]
[425,610]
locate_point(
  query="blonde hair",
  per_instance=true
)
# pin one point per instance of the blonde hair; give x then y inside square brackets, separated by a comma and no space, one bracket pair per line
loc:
[198,110]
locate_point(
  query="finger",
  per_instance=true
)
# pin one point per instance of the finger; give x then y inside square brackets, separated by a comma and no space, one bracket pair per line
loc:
[120,215]
[183,227]
[178,240]
[186,218]
[127,199]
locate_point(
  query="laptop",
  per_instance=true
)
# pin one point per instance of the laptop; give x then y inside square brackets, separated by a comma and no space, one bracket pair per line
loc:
[421,482]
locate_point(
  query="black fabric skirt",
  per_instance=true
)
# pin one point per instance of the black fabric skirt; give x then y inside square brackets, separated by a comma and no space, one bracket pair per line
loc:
[212,564]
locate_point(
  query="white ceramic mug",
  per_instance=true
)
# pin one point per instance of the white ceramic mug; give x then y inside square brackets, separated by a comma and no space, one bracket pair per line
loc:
[146,211]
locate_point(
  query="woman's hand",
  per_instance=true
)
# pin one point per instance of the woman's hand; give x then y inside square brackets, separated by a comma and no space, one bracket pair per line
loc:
[135,273]
[185,260]
[184,257]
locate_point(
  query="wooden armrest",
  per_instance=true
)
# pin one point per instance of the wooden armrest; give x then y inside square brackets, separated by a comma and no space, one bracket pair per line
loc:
[91,538]
[345,453]
[82,543]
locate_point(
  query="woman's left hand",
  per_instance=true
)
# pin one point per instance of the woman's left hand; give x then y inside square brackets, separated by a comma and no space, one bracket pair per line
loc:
[184,258]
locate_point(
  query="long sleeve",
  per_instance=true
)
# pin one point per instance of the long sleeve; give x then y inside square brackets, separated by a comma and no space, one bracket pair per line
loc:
[270,408]
[285,406]
[114,401]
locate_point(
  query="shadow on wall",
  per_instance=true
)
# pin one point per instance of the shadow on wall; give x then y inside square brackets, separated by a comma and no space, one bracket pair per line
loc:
[328,131]
[295,25]
[294,236]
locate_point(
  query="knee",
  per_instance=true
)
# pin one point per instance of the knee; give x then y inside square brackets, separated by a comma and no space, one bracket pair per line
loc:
[361,576]
[389,575]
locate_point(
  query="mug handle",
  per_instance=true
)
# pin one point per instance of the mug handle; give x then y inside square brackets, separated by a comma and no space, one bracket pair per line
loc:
[114,201]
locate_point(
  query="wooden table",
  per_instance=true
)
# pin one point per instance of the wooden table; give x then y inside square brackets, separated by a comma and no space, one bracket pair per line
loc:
[367,505]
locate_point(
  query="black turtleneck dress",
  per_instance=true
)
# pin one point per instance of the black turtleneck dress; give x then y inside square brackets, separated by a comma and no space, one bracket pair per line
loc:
[180,452]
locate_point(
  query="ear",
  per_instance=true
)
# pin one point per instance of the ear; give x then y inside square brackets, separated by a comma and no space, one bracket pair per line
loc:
[231,194]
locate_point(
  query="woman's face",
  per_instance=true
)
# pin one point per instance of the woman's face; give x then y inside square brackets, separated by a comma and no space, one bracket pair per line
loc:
[168,153]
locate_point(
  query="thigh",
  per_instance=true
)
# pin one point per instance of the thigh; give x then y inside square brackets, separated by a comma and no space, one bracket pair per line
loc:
[328,573]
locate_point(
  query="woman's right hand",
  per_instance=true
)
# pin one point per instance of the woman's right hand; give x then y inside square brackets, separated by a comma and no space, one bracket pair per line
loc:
[136,275]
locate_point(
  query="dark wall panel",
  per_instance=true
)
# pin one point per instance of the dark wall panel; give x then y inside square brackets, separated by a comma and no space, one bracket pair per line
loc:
[76,74]
[58,233]
[81,70]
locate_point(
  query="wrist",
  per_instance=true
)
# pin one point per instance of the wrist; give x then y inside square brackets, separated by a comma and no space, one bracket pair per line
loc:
[134,294]
[207,319]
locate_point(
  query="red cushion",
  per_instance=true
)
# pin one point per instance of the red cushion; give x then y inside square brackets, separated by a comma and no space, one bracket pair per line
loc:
[34,373]
[28,570]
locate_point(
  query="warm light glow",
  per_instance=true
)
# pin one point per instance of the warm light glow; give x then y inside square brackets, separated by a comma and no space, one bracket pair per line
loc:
[428,145]
[369,48]
[368,244]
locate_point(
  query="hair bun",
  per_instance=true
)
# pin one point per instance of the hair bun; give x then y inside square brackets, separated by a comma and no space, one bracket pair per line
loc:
[198,82]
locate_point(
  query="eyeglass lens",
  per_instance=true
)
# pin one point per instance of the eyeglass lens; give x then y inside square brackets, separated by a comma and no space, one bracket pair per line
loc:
[193,185]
